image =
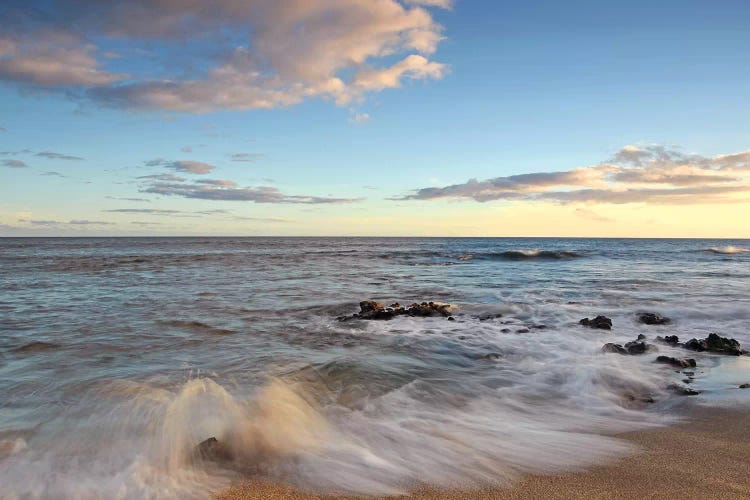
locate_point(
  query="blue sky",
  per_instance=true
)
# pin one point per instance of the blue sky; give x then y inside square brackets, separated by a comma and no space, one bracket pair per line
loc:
[429,95]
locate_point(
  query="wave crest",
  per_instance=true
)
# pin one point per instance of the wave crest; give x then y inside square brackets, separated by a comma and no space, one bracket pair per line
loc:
[727,250]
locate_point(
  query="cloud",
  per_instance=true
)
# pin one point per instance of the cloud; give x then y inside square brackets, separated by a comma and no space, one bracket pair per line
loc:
[359,118]
[152,211]
[649,174]
[186,166]
[226,190]
[248,157]
[51,58]
[58,156]
[145,224]
[90,223]
[47,223]
[14,164]
[162,177]
[585,213]
[186,149]
[265,53]
[3,129]
[53,174]
[128,199]
[262,219]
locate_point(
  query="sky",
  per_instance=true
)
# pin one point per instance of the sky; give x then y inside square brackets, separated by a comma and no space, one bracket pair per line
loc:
[375,117]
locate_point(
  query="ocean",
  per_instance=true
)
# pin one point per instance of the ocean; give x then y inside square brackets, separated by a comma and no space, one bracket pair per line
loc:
[118,356]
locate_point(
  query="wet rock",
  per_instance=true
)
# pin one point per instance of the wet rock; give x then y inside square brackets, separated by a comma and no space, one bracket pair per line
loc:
[715,343]
[669,339]
[641,336]
[488,317]
[637,347]
[679,363]
[522,330]
[683,391]
[505,330]
[491,355]
[600,322]
[213,450]
[615,348]
[451,318]
[653,319]
[632,348]
[745,386]
[371,310]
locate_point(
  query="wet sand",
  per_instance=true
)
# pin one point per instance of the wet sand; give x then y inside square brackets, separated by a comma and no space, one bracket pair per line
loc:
[707,456]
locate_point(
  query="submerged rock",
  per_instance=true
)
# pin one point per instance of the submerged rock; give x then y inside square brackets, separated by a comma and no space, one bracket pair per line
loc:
[715,343]
[669,339]
[371,310]
[600,322]
[653,319]
[679,363]
[632,348]
[745,386]
[615,348]
[213,450]
[683,391]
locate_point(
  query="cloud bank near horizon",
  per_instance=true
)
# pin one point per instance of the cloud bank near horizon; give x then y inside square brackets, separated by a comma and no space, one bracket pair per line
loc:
[648,174]
[240,54]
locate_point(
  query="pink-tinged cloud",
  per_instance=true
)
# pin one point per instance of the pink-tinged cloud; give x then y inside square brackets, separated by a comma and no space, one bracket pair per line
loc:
[650,174]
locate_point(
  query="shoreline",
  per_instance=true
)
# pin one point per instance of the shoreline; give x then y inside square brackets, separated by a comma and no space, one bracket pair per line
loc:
[705,456]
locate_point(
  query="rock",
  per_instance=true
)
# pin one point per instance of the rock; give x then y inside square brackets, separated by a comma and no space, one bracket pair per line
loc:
[451,318]
[213,450]
[615,348]
[745,386]
[522,330]
[679,363]
[669,339]
[371,310]
[505,330]
[636,347]
[715,343]
[683,391]
[641,336]
[487,317]
[600,322]
[491,355]
[653,319]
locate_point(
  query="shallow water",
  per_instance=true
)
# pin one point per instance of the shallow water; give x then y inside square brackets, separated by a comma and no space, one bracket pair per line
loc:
[118,356]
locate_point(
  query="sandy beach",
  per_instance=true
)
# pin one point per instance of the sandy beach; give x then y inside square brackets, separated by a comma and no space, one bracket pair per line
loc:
[706,456]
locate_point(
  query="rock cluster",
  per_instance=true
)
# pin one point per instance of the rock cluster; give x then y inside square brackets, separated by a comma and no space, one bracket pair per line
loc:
[715,343]
[653,319]
[632,348]
[371,310]
[600,322]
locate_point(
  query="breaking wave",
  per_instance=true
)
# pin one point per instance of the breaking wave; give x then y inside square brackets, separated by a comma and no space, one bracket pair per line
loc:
[727,250]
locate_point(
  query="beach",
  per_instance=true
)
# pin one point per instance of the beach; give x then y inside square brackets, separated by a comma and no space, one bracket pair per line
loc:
[177,367]
[706,456]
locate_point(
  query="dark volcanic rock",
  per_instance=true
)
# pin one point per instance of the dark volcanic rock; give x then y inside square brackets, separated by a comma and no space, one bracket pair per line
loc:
[653,319]
[600,322]
[488,317]
[641,336]
[745,386]
[715,343]
[669,339]
[636,347]
[615,348]
[213,450]
[679,363]
[683,391]
[371,310]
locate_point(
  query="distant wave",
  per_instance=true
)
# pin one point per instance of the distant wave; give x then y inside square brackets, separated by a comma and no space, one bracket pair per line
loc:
[535,254]
[728,250]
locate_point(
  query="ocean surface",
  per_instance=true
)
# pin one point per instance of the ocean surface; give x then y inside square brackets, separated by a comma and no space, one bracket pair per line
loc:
[119,355]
